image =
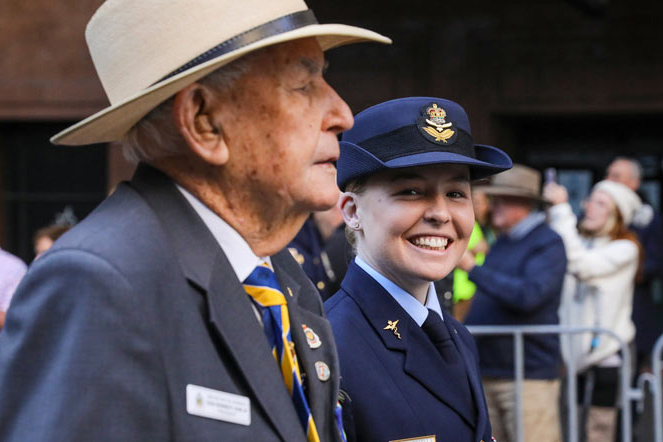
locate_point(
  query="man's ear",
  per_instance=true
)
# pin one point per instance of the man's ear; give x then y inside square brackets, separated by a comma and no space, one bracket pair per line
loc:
[193,112]
[347,204]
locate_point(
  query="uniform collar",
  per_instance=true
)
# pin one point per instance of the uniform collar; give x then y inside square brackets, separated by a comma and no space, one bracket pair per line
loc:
[409,303]
[524,227]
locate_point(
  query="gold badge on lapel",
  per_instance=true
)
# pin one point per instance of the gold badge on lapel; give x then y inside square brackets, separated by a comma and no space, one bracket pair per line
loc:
[298,256]
[417,439]
[312,337]
[434,126]
[393,326]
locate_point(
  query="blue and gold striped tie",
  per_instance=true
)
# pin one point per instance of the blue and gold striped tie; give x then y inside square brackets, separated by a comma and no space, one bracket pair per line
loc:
[263,287]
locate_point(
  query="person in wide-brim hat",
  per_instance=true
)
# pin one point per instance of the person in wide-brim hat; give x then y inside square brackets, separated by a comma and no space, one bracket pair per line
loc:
[145,51]
[519,182]
[172,312]
[406,169]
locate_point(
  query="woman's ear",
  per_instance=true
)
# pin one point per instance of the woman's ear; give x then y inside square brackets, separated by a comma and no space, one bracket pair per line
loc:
[195,120]
[347,204]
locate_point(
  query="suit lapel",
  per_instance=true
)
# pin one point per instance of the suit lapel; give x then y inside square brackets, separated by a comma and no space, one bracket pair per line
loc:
[474,379]
[317,391]
[230,313]
[422,361]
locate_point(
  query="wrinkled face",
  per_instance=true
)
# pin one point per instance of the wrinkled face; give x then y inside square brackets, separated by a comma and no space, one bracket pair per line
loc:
[280,121]
[415,222]
[599,210]
[507,211]
[621,171]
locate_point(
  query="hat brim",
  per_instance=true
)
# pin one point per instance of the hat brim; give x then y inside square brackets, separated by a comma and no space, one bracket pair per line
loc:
[359,162]
[113,122]
[496,190]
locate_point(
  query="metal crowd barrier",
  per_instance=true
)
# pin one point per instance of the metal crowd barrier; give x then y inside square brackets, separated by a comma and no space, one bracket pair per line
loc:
[657,391]
[627,394]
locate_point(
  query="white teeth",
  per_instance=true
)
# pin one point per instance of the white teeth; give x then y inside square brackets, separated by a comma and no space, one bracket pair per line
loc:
[432,242]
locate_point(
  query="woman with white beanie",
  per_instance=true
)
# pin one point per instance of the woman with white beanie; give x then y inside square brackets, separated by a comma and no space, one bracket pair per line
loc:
[604,260]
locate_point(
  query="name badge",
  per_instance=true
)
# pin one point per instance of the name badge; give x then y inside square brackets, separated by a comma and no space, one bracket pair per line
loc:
[416,439]
[219,405]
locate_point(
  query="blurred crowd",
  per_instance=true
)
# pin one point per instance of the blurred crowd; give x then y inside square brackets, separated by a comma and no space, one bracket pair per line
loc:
[532,261]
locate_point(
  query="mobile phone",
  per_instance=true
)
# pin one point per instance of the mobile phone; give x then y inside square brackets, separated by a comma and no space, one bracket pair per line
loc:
[550,175]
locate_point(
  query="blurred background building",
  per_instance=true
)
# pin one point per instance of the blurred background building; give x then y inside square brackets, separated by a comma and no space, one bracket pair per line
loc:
[556,83]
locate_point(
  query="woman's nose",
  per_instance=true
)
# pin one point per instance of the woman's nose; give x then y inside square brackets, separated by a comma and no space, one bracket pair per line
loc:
[438,211]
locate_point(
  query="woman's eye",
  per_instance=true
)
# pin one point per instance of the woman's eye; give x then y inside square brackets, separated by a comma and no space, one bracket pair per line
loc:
[409,192]
[456,194]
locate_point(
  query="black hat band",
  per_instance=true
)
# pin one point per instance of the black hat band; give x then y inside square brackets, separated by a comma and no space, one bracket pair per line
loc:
[277,26]
[408,140]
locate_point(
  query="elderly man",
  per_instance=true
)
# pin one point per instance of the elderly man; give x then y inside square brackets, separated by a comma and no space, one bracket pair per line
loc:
[520,283]
[160,316]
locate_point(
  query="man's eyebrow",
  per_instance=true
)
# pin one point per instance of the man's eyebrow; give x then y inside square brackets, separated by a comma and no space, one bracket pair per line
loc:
[313,66]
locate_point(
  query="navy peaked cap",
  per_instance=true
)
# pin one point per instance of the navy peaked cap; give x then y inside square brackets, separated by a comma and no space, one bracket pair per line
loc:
[414,131]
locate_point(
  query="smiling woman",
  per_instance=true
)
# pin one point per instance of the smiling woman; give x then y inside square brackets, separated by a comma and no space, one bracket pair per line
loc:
[406,169]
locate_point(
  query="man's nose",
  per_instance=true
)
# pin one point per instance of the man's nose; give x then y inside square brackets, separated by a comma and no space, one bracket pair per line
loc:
[339,117]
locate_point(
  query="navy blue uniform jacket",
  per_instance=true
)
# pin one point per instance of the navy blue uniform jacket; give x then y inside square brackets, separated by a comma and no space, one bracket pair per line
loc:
[135,303]
[396,387]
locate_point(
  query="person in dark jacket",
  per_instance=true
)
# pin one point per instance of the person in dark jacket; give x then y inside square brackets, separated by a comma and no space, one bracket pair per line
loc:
[519,283]
[408,371]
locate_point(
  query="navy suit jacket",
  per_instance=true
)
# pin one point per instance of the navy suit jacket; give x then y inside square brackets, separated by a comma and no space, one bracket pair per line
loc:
[396,387]
[138,301]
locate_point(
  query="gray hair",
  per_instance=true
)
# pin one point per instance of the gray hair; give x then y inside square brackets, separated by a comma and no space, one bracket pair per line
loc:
[155,137]
[636,167]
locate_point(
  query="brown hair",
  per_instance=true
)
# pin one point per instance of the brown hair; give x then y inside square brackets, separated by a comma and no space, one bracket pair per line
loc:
[621,231]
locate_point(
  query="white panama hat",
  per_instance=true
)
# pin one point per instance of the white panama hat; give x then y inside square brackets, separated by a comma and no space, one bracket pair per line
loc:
[145,51]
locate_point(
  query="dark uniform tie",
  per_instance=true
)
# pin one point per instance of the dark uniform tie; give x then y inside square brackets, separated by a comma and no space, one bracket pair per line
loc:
[454,368]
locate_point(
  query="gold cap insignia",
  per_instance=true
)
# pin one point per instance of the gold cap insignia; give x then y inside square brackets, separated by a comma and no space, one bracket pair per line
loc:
[434,125]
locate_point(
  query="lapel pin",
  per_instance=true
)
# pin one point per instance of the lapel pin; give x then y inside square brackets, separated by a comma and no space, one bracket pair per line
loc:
[312,337]
[393,326]
[290,292]
[322,370]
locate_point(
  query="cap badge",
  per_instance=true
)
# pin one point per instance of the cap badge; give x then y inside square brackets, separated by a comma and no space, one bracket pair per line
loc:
[312,337]
[393,326]
[433,125]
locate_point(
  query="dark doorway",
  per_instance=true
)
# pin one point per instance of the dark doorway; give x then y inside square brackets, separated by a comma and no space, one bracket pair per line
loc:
[40,180]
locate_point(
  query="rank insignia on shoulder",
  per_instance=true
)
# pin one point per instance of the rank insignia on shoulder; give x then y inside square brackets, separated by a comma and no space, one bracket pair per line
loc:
[434,127]
[393,326]
[312,337]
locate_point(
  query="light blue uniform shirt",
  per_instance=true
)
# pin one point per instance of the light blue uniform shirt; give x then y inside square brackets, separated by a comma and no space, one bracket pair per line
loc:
[414,308]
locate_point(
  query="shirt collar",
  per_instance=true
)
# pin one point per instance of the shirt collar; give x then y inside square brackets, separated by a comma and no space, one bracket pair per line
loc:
[524,227]
[237,250]
[409,303]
